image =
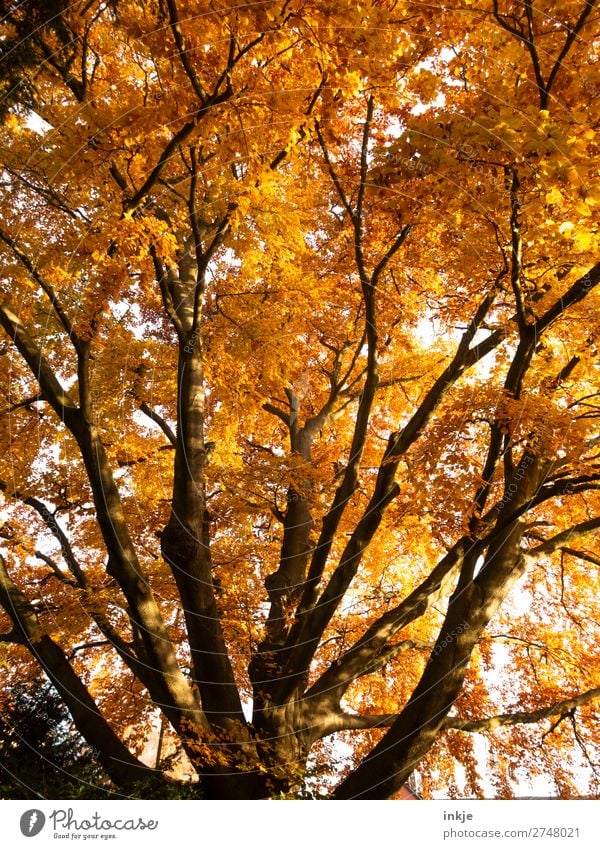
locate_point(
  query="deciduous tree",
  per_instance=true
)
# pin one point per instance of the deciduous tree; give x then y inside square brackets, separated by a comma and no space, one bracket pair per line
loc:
[299,419]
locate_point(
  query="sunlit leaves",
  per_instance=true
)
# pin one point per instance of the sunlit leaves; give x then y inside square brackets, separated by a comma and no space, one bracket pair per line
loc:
[213,189]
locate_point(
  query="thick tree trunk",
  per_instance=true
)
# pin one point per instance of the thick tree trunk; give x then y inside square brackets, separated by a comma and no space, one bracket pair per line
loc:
[173,690]
[177,696]
[387,767]
[186,547]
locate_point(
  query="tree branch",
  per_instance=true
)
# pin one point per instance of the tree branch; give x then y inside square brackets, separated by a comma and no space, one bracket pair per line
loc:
[26,402]
[114,756]
[354,722]
[390,254]
[51,523]
[165,284]
[364,167]
[573,32]
[123,564]
[516,263]
[576,293]
[582,555]
[310,628]
[56,571]
[92,644]
[131,204]
[490,723]
[175,25]
[221,93]
[528,41]
[575,532]
[373,644]
[275,411]
[333,173]
[52,391]
[46,287]
[158,419]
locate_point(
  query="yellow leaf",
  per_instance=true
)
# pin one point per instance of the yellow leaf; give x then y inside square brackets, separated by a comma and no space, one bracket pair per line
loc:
[554,196]
[583,208]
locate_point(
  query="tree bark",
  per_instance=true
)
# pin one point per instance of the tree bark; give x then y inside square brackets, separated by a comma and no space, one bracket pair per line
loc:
[121,766]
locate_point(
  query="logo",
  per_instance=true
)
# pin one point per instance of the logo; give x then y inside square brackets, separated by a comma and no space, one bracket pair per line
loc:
[32,822]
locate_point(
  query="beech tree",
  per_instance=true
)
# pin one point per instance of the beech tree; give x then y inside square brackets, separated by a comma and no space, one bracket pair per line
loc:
[299,422]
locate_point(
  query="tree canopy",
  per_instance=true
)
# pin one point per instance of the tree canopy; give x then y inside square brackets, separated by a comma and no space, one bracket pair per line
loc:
[300,459]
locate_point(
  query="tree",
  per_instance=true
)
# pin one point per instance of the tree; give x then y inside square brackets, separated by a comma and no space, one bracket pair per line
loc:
[300,314]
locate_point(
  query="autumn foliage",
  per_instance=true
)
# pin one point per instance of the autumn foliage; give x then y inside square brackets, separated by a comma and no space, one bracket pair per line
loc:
[300,460]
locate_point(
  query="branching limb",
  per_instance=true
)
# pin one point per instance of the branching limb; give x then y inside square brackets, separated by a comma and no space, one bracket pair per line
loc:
[579,531]
[572,34]
[55,529]
[48,192]
[464,358]
[18,405]
[158,419]
[490,723]
[164,277]
[51,388]
[374,643]
[333,173]
[282,155]
[354,722]
[44,285]
[114,756]
[516,259]
[92,644]
[525,34]
[357,216]
[57,572]
[123,564]
[564,486]
[275,411]
[182,135]
[221,93]
[582,287]
[310,630]
[581,555]
[80,581]
[184,56]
